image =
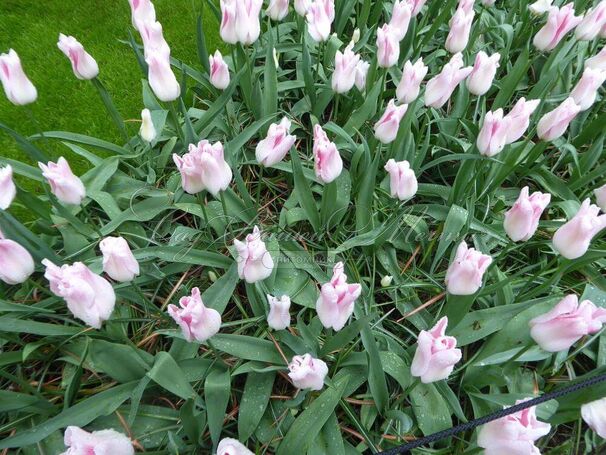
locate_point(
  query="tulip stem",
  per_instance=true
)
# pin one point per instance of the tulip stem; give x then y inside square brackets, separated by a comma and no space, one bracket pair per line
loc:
[32,118]
[203,207]
[89,218]
[224,206]
[175,116]
[111,108]
[336,111]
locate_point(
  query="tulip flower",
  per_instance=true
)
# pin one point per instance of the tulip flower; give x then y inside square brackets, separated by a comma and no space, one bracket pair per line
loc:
[230,446]
[568,322]
[302,6]
[410,84]
[228,29]
[68,188]
[344,76]
[361,74]
[16,264]
[279,317]
[573,238]
[142,11]
[386,129]
[197,322]
[585,91]
[403,182]
[307,372]
[248,26]
[320,16]
[460,28]
[553,124]
[386,281]
[540,7]
[519,118]
[8,190]
[276,145]
[254,261]
[464,275]
[600,197]
[513,434]
[466,5]
[594,415]
[277,9]
[337,297]
[400,18]
[416,6]
[522,220]
[598,61]
[328,164]
[440,87]
[483,73]
[204,168]
[153,40]
[162,80]
[18,88]
[118,260]
[81,442]
[493,135]
[388,46]
[436,354]
[89,297]
[592,23]
[147,130]
[83,64]
[559,22]
[219,71]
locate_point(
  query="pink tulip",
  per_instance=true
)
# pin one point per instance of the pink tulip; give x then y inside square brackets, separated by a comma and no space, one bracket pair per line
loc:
[559,22]
[460,28]
[118,260]
[320,16]
[8,190]
[197,322]
[84,66]
[600,197]
[466,5]
[522,220]
[519,118]
[328,164]
[276,145]
[400,18]
[436,354]
[592,23]
[68,188]
[18,88]
[388,47]
[302,6]
[598,61]
[403,182]
[89,297]
[142,11]
[219,71]
[228,29]
[248,27]
[386,129]
[153,39]
[162,80]
[514,434]
[440,87]
[277,9]
[307,372]
[594,415]
[254,261]
[540,7]
[483,73]
[410,84]
[568,322]
[493,135]
[416,6]
[586,90]
[336,302]
[464,275]
[573,238]
[81,442]
[344,76]
[16,264]
[361,74]
[553,124]
[229,446]
[204,168]
[278,317]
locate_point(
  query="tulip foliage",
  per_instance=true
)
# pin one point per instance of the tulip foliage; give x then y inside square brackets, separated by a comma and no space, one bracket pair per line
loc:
[357,223]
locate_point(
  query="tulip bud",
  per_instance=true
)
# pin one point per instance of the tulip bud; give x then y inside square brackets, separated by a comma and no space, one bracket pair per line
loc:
[592,23]
[559,22]
[464,275]
[460,28]
[229,446]
[142,11]
[307,372]
[84,66]
[118,260]
[68,188]
[276,58]
[519,118]
[219,71]
[361,74]
[16,264]
[328,164]
[436,354]
[212,276]
[493,135]
[386,129]
[388,47]
[197,322]
[89,297]
[386,281]
[598,61]
[403,181]
[254,261]
[18,88]
[344,76]
[320,16]
[279,317]
[276,145]
[302,6]
[204,168]
[356,36]
[540,7]
[440,87]
[416,6]
[488,2]
[8,190]
[336,302]
[483,73]
[600,197]
[228,21]
[573,238]
[162,80]
[410,84]
[248,27]
[594,415]
[277,9]
[522,220]
[400,18]
[553,124]
[586,90]
[147,130]
[80,442]
[568,322]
